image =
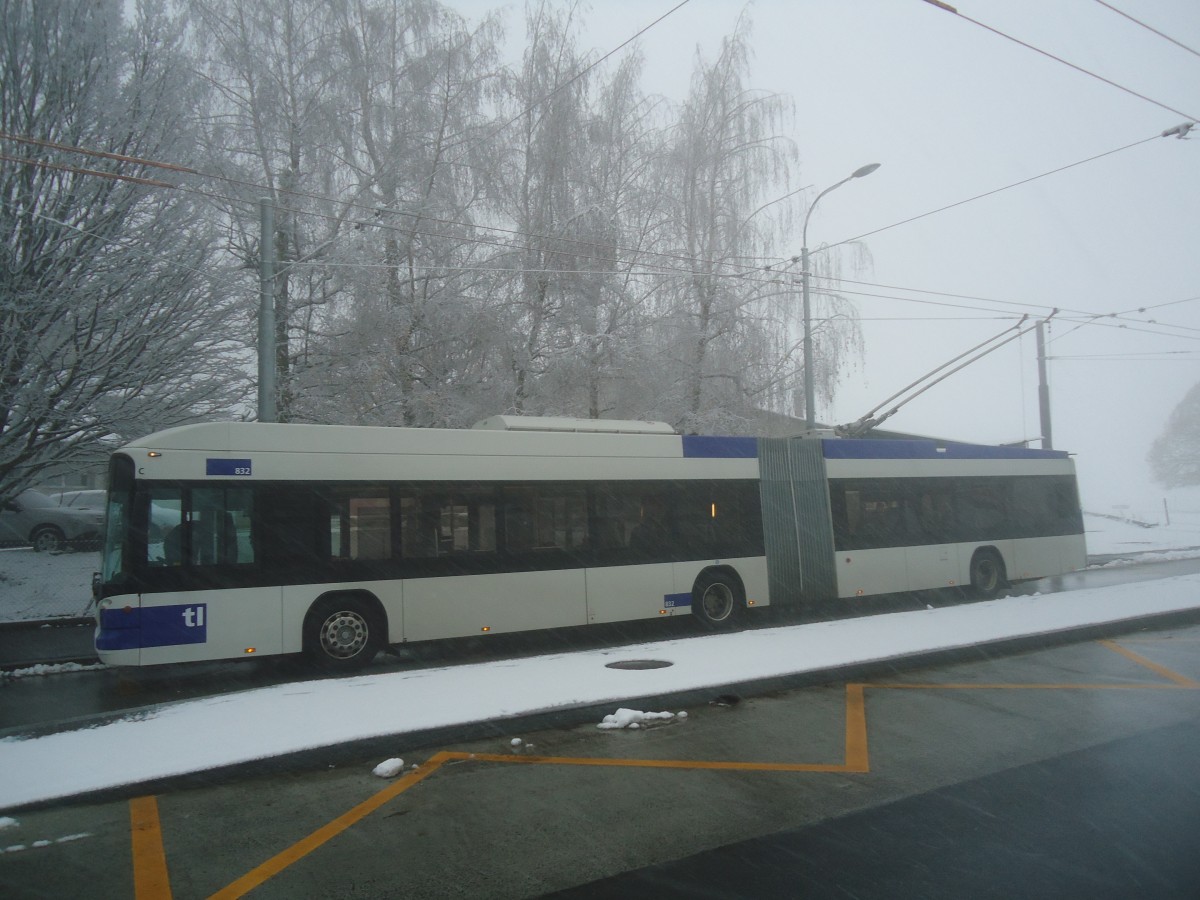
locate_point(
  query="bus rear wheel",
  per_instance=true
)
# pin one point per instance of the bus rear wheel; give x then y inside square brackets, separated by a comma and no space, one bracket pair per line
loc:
[717,600]
[987,574]
[342,634]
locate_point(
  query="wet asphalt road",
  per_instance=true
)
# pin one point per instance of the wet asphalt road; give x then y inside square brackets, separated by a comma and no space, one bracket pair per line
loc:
[1058,772]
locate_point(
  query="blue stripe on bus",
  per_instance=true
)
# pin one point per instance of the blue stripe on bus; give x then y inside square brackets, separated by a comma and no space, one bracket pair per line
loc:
[153,626]
[710,447]
[676,601]
[901,449]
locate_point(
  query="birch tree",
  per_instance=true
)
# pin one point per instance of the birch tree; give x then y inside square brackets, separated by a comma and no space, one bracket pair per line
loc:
[267,130]
[617,231]
[112,320]
[723,330]
[416,79]
[536,196]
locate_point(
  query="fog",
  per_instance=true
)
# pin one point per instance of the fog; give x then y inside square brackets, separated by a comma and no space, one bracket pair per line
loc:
[952,111]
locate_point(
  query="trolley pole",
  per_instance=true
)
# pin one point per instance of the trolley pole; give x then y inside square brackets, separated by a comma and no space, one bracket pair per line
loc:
[266,311]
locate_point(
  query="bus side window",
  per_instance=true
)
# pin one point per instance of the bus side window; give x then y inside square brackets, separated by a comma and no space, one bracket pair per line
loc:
[360,524]
[544,517]
[164,530]
[219,527]
[172,547]
[420,519]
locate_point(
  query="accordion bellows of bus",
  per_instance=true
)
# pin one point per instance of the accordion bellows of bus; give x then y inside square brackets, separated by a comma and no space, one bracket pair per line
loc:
[227,540]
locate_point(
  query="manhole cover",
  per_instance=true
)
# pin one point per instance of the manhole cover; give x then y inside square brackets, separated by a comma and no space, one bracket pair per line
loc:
[638,664]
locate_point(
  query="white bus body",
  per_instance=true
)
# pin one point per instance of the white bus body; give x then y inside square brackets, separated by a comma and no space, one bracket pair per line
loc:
[237,539]
[397,509]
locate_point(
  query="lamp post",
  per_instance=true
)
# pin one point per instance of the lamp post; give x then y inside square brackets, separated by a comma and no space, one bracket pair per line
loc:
[810,388]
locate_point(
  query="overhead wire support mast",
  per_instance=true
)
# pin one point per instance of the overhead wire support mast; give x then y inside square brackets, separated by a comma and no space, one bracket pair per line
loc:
[870,420]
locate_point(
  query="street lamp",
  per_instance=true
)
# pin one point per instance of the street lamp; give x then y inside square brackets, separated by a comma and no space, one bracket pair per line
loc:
[810,388]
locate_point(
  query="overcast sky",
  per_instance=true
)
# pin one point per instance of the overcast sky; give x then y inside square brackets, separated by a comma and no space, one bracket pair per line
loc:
[951,110]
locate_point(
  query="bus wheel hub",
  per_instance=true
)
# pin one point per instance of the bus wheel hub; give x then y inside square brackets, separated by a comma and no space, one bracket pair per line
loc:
[344,634]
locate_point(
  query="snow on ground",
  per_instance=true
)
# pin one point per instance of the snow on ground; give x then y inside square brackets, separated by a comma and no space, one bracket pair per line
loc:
[1107,536]
[36,586]
[191,736]
[197,735]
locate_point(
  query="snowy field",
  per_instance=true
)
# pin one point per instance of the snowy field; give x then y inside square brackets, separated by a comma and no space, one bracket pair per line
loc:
[197,735]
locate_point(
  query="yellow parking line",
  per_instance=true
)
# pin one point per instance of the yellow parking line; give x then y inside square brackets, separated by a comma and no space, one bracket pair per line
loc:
[1178,679]
[150,878]
[968,686]
[856,761]
[602,761]
[856,729]
[303,847]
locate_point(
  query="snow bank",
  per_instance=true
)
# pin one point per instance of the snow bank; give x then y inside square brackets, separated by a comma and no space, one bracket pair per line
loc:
[634,718]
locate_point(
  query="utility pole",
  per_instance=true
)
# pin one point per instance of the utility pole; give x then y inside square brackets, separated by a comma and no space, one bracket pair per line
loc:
[266,311]
[1043,388]
[810,378]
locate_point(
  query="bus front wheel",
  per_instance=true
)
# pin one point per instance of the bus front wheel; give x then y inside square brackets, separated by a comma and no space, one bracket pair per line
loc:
[987,574]
[342,634]
[717,600]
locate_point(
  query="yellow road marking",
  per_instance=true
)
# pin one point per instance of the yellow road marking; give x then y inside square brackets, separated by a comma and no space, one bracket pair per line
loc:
[856,761]
[968,686]
[303,847]
[856,729]
[150,878]
[1178,679]
[601,761]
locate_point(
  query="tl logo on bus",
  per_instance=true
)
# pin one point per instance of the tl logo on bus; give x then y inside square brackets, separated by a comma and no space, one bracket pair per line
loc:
[193,616]
[167,626]
[153,626]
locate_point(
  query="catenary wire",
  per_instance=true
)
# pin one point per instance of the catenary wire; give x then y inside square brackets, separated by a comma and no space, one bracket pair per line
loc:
[1091,318]
[996,31]
[1149,27]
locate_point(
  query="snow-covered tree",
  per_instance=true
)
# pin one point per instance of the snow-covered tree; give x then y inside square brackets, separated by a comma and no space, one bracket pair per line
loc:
[359,121]
[723,332]
[412,78]
[578,193]
[267,130]
[113,321]
[1175,455]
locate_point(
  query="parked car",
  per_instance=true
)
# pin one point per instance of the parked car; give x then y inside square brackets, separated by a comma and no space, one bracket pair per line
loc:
[33,518]
[89,499]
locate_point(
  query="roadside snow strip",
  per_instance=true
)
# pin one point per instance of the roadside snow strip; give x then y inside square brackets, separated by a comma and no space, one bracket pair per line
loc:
[196,735]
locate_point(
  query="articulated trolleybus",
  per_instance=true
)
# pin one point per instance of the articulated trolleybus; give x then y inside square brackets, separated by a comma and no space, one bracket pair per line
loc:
[236,539]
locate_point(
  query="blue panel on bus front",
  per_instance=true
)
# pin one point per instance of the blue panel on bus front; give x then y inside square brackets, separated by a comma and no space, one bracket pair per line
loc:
[227,467]
[152,626]
[709,447]
[676,601]
[901,449]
